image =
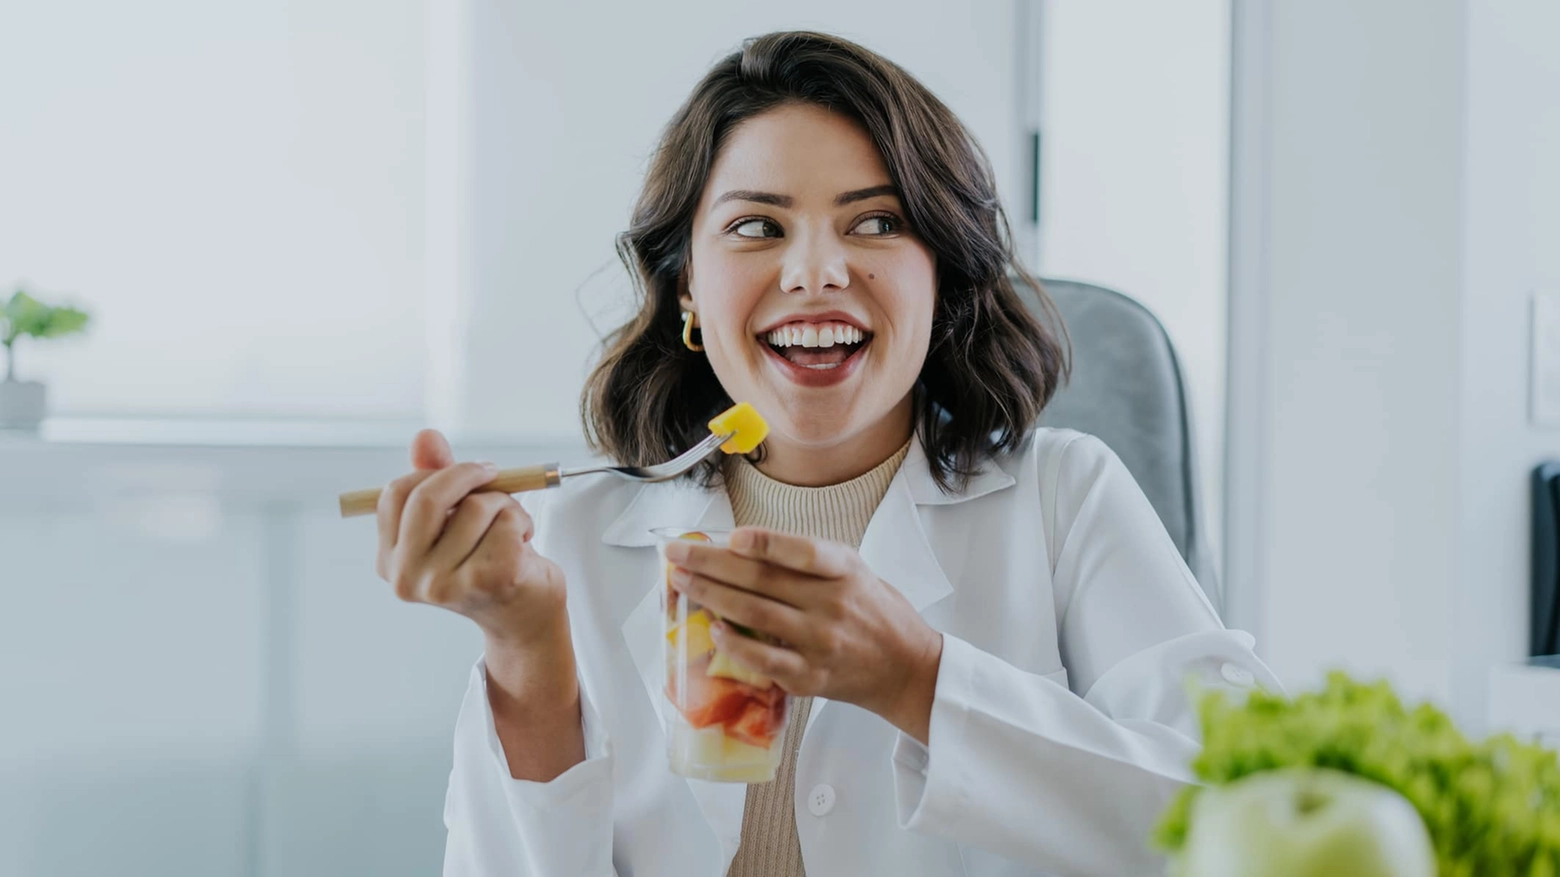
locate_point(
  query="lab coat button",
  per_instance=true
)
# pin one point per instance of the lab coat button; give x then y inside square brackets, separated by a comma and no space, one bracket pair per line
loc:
[821,799]
[1237,675]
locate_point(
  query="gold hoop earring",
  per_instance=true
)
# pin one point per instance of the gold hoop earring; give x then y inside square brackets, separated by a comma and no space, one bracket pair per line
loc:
[689,324]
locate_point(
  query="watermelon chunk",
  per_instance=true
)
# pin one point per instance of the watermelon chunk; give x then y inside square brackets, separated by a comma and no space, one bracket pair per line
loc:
[708,700]
[758,723]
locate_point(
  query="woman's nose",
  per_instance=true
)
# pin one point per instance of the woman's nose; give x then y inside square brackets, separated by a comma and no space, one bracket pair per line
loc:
[815,263]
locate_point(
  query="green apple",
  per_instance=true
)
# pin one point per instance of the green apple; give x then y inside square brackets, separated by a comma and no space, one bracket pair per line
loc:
[1305,822]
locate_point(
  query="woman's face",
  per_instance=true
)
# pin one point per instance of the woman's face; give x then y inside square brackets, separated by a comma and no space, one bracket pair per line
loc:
[814,297]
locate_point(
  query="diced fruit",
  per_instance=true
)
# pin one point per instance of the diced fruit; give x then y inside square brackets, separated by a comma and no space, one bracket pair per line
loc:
[711,747]
[699,745]
[735,753]
[693,635]
[758,773]
[757,724]
[689,761]
[745,426]
[768,696]
[708,700]
[671,593]
[722,665]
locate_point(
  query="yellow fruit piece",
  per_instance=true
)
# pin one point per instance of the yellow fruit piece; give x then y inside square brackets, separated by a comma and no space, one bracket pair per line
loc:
[695,632]
[760,773]
[745,426]
[722,665]
[735,753]
[708,754]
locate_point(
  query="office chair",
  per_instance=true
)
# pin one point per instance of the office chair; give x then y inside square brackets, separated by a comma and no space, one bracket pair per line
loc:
[1127,389]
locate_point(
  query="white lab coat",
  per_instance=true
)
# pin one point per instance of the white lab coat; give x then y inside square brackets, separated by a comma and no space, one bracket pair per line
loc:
[1060,727]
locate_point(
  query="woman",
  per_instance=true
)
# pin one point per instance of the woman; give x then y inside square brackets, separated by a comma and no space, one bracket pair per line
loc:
[985,628]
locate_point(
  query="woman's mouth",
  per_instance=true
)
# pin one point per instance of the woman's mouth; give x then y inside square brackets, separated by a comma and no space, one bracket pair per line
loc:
[816,354]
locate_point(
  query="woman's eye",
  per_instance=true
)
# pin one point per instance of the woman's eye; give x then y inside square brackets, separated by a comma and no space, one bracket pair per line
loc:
[877,225]
[756,228]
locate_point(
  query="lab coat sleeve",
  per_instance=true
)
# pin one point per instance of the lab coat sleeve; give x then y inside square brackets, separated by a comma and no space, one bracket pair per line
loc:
[500,825]
[1020,764]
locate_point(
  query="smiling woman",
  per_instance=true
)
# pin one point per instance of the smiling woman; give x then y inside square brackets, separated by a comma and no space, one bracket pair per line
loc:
[983,631]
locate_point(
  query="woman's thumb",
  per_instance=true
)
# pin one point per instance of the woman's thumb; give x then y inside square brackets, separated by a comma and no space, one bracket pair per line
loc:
[431,451]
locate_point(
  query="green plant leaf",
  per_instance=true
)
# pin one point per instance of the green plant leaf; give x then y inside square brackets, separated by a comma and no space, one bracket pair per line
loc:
[62,321]
[25,315]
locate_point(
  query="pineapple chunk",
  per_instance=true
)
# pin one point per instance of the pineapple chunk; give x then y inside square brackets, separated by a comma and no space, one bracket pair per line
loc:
[758,773]
[745,426]
[723,666]
[698,746]
[695,633]
[708,754]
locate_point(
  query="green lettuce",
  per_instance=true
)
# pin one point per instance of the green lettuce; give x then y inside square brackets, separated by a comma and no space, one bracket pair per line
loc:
[1492,807]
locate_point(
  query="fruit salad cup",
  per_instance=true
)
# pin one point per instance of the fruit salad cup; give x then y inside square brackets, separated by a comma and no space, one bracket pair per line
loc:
[726,722]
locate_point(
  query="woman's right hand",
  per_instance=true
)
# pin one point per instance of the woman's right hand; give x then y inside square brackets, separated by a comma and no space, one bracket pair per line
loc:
[443,543]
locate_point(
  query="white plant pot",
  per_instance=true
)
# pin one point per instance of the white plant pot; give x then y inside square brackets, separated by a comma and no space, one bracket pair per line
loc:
[23,404]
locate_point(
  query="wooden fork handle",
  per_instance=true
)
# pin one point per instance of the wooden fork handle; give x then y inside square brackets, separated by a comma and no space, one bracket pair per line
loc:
[366,502]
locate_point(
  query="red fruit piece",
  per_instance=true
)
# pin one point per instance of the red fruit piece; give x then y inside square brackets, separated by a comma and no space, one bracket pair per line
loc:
[709,700]
[758,723]
[767,696]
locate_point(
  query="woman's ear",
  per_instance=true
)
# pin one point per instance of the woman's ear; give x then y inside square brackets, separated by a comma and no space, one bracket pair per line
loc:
[685,297]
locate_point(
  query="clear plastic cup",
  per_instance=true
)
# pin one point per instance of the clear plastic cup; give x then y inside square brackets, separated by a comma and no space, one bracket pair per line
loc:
[724,722]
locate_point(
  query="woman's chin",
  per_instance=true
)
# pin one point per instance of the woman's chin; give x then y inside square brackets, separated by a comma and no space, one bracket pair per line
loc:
[819,425]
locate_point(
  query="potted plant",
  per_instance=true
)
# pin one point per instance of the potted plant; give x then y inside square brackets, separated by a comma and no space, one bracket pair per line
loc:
[23,404]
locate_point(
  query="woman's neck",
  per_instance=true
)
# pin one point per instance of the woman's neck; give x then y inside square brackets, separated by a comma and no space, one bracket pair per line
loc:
[813,466]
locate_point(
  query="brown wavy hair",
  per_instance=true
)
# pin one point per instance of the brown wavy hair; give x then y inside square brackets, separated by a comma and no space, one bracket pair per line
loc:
[992,363]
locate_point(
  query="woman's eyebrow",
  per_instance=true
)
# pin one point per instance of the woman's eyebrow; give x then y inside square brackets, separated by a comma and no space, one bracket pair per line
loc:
[786,200]
[863,194]
[758,197]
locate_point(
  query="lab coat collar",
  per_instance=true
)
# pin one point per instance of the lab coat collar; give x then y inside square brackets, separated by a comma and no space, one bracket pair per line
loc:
[679,503]
[895,546]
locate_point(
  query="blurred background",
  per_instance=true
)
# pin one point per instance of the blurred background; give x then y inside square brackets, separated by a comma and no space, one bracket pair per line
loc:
[305,230]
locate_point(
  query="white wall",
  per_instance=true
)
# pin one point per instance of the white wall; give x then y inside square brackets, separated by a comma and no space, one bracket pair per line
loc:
[1409,202]
[566,112]
[1511,247]
[234,191]
[1363,339]
[1134,179]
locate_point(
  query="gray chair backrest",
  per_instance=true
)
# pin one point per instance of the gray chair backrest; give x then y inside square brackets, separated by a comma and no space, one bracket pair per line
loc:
[1127,389]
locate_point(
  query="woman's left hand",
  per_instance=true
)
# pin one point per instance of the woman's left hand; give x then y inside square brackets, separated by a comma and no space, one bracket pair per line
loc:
[844,633]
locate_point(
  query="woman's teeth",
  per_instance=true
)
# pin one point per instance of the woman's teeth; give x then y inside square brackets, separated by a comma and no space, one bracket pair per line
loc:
[808,335]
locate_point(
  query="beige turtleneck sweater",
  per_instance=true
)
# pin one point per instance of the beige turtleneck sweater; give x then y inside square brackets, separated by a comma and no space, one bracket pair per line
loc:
[839,512]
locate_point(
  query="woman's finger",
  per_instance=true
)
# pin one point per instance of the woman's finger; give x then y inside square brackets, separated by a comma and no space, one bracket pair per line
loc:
[504,560]
[429,504]
[430,450]
[785,666]
[744,607]
[724,565]
[473,516]
[392,502]
[815,557]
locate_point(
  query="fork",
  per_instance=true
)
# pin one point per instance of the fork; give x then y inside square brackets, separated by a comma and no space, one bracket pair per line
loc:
[366,502]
